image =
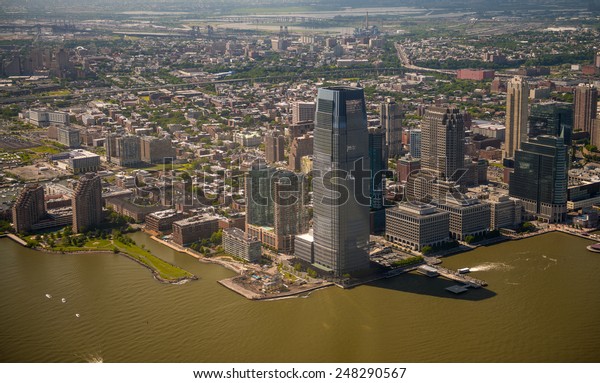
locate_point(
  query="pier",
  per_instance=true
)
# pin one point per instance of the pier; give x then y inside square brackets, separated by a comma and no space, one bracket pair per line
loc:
[456,276]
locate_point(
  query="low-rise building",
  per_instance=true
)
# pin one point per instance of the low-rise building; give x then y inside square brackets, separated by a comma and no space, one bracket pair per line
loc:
[504,211]
[417,226]
[467,217]
[78,161]
[162,221]
[192,229]
[239,244]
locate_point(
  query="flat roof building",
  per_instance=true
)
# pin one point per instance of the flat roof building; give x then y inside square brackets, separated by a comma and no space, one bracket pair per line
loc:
[468,217]
[417,226]
[198,227]
[239,244]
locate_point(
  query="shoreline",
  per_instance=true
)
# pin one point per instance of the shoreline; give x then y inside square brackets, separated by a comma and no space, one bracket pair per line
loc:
[155,273]
[231,284]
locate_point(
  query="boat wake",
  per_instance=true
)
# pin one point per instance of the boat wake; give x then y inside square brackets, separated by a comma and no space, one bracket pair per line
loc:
[488,266]
[92,358]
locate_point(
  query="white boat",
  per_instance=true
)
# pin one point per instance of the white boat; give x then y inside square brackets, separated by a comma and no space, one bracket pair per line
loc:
[464,270]
[77,315]
[48,296]
[63,300]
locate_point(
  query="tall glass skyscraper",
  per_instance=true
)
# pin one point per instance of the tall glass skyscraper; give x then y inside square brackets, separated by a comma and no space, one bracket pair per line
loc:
[340,200]
[540,178]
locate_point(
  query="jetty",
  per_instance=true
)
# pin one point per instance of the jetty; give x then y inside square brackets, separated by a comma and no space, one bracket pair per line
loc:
[462,278]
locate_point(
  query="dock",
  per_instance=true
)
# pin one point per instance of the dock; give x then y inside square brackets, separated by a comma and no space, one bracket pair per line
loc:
[457,289]
[456,276]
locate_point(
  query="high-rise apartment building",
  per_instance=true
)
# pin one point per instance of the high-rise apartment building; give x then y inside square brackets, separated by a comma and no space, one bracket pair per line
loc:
[517,98]
[259,198]
[540,178]
[303,111]
[87,203]
[300,147]
[340,216]
[154,150]
[391,122]
[124,150]
[28,208]
[586,107]
[276,206]
[442,142]
[274,147]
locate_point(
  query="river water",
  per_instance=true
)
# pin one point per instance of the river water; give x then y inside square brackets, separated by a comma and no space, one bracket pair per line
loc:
[542,305]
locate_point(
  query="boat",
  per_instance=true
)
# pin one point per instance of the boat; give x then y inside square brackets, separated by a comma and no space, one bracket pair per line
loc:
[63,300]
[48,296]
[77,315]
[464,270]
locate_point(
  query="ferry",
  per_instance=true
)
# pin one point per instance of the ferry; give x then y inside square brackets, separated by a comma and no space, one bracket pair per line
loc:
[464,270]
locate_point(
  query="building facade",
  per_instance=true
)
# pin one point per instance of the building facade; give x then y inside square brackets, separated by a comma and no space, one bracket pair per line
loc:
[87,203]
[391,122]
[540,178]
[193,229]
[417,226]
[29,208]
[468,217]
[586,107]
[442,142]
[340,227]
[517,101]
[239,244]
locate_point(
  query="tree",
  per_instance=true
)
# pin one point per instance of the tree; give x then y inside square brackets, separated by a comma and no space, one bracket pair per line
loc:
[311,273]
[426,250]
[297,267]
[217,237]
[469,238]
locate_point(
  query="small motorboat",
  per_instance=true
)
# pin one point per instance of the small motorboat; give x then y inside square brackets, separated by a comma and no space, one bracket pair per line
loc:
[48,296]
[464,270]
[64,300]
[77,315]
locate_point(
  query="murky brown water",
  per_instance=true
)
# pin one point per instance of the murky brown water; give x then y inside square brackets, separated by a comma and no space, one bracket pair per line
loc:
[542,304]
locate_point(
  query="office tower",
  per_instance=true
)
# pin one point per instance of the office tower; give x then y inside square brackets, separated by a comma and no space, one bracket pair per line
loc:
[155,150]
[378,160]
[391,122]
[442,142]
[28,208]
[341,227]
[586,107]
[517,94]
[551,119]
[540,178]
[415,143]
[303,111]
[300,147]
[274,147]
[87,203]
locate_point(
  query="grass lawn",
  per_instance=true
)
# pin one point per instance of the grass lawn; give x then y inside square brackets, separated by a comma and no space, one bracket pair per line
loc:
[164,269]
[91,245]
